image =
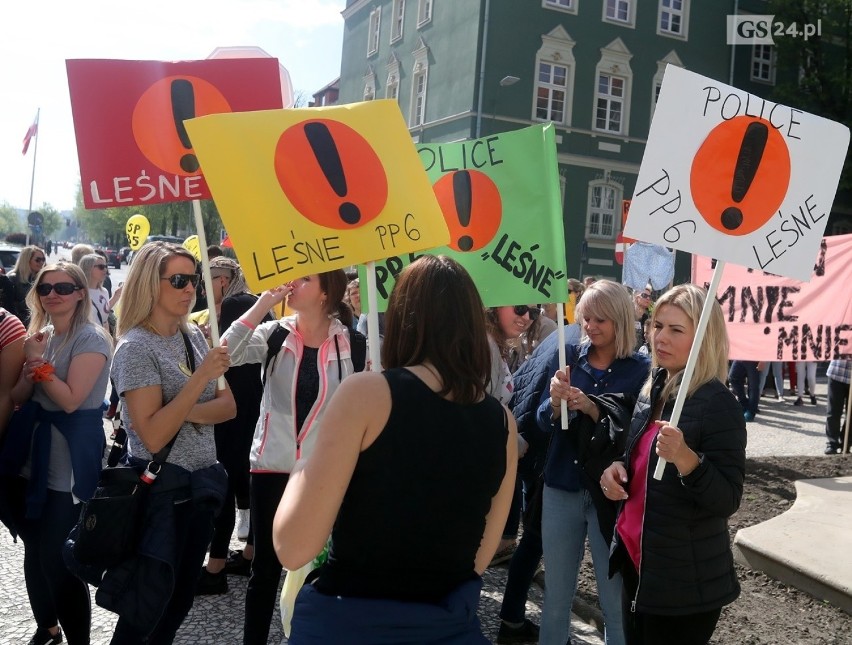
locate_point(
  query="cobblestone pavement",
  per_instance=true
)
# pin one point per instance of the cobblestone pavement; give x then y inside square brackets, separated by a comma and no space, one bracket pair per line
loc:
[779,429]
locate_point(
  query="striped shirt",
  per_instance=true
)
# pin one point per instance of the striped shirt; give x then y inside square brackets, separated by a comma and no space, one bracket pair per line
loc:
[11,328]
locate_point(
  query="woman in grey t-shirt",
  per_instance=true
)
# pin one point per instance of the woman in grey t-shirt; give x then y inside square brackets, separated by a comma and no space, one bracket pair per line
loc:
[63,381]
[166,376]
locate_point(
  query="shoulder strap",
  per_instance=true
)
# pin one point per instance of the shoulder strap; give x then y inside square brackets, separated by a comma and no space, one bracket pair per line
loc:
[161,456]
[358,345]
[274,343]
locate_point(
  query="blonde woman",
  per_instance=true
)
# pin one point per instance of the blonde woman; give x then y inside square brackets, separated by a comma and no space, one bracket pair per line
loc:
[573,507]
[673,533]
[166,377]
[62,387]
[30,261]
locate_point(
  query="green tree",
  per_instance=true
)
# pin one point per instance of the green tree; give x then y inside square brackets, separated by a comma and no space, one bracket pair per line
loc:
[815,75]
[10,222]
[106,226]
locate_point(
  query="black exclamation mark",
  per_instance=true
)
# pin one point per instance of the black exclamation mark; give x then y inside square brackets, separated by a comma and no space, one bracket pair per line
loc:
[325,150]
[183,107]
[751,152]
[463,196]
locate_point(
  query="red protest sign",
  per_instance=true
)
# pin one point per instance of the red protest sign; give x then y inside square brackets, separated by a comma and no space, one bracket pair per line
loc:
[128,119]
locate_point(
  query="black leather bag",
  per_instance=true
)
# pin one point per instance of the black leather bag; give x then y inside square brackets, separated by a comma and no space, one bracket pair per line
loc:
[108,530]
[110,523]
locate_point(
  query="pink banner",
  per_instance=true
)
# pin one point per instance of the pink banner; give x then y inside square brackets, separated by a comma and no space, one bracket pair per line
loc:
[771,318]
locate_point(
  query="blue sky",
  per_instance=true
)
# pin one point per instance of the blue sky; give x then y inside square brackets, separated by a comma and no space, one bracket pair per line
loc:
[39,35]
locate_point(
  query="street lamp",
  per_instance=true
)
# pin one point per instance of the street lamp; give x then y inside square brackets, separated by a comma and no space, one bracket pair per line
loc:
[506,81]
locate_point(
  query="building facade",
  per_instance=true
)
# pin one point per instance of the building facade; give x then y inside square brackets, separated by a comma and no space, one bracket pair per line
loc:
[463,69]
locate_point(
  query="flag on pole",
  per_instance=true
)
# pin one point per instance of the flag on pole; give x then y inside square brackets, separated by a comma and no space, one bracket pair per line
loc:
[32,132]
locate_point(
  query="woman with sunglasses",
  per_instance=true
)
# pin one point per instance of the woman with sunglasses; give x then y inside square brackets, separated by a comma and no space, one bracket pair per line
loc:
[30,261]
[61,389]
[95,269]
[312,357]
[641,305]
[573,506]
[166,377]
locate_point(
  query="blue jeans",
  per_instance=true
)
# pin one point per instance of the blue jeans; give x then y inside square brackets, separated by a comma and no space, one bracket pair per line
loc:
[739,372]
[567,517]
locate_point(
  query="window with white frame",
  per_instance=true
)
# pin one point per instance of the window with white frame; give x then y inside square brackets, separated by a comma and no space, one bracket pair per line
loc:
[373,33]
[369,86]
[419,85]
[613,80]
[621,12]
[763,64]
[551,93]
[609,103]
[602,213]
[392,83]
[397,20]
[563,5]
[657,83]
[673,18]
[424,12]
[418,98]
[554,75]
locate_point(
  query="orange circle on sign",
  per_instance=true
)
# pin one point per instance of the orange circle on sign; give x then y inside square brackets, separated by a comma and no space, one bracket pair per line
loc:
[472,208]
[158,117]
[740,175]
[331,174]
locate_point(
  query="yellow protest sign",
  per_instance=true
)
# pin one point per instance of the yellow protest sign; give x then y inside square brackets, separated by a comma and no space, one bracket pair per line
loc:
[304,191]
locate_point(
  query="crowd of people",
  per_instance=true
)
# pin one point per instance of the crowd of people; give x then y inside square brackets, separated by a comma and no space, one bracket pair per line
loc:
[455,456]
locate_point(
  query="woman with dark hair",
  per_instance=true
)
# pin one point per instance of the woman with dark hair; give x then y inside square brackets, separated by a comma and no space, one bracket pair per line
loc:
[672,533]
[305,358]
[30,261]
[414,487]
[231,299]
[60,389]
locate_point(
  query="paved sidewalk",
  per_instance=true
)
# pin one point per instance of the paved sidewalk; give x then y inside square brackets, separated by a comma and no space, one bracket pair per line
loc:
[779,429]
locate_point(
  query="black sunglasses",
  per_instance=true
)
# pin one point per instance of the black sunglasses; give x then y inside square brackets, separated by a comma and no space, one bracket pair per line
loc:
[180,280]
[39,260]
[62,288]
[520,310]
[102,267]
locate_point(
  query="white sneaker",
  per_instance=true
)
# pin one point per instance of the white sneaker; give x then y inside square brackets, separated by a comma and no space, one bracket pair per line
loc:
[242,524]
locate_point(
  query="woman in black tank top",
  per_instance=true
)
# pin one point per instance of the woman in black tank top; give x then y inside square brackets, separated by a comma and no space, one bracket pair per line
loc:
[431,444]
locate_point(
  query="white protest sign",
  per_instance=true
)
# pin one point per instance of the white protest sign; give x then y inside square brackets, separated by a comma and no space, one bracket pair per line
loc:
[734,177]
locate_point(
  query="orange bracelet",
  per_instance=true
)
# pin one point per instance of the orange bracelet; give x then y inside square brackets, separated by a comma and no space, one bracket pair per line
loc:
[43,372]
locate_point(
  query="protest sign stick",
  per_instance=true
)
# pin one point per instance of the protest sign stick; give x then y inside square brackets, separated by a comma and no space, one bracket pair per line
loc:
[208,281]
[560,329]
[693,356]
[848,412]
[373,340]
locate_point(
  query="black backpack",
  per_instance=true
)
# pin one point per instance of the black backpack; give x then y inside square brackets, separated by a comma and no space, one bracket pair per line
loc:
[357,341]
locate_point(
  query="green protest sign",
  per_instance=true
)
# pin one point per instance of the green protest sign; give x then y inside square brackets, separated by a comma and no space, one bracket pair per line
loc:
[501,201]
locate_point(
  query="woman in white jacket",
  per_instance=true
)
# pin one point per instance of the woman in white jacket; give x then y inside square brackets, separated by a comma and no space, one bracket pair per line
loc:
[298,383]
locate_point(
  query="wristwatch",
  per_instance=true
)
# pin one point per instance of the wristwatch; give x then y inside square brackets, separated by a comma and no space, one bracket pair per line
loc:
[700,461]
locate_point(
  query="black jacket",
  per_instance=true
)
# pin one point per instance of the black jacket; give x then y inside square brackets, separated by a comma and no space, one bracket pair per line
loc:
[686,564]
